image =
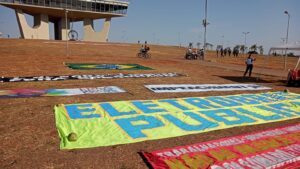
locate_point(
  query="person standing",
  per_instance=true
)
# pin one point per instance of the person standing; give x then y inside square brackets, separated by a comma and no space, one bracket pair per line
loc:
[222,52]
[249,63]
[229,52]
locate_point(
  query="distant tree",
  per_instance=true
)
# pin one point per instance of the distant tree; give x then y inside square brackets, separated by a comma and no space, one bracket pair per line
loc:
[291,54]
[209,45]
[236,47]
[261,49]
[253,47]
[243,48]
[219,47]
[236,50]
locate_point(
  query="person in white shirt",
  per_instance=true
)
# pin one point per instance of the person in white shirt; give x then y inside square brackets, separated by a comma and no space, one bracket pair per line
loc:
[249,63]
[190,50]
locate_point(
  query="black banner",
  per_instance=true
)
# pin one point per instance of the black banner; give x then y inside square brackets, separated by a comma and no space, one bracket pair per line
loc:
[86,77]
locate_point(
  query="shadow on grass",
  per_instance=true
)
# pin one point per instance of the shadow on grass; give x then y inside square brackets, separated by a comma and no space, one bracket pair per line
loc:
[145,160]
[241,79]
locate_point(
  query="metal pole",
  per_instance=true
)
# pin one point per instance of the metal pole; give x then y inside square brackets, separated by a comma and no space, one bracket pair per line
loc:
[67,41]
[287,37]
[179,39]
[205,24]
[222,41]
[245,39]
[283,42]
[297,64]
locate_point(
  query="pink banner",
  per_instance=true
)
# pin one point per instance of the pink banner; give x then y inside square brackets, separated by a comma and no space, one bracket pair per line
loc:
[276,148]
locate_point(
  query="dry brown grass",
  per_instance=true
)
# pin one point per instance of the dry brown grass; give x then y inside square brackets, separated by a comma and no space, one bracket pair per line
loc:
[28,135]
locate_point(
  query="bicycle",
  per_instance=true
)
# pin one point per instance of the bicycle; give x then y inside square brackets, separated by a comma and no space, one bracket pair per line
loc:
[144,55]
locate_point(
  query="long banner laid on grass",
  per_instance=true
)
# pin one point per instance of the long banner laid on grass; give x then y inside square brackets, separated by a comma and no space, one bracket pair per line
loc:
[170,88]
[97,66]
[276,148]
[87,77]
[122,122]
[19,93]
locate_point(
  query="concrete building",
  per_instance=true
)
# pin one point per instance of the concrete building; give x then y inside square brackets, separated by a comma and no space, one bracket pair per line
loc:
[61,12]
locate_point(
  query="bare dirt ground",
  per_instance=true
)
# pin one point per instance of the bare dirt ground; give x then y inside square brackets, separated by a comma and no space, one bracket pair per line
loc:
[27,125]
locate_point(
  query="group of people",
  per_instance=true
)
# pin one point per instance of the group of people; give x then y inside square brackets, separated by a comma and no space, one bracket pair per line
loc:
[224,52]
[199,53]
[145,48]
[143,52]
[190,54]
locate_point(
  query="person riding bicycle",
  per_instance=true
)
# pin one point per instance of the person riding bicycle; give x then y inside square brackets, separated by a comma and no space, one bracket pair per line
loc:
[147,48]
[189,53]
[144,49]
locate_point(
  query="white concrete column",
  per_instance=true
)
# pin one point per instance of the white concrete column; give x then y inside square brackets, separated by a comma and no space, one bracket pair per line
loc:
[40,30]
[91,35]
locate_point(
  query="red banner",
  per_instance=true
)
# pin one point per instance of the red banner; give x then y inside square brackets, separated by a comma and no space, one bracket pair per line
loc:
[276,148]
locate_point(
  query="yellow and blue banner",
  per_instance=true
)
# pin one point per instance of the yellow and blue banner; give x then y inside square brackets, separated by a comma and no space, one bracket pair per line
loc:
[123,122]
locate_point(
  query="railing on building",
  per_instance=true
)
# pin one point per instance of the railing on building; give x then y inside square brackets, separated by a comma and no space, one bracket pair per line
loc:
[107,6]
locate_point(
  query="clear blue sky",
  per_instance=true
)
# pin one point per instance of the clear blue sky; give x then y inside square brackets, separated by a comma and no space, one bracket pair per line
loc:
[168,21]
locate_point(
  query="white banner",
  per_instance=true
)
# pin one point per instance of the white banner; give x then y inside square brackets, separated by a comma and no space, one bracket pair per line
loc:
[88,77]
[170,88]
